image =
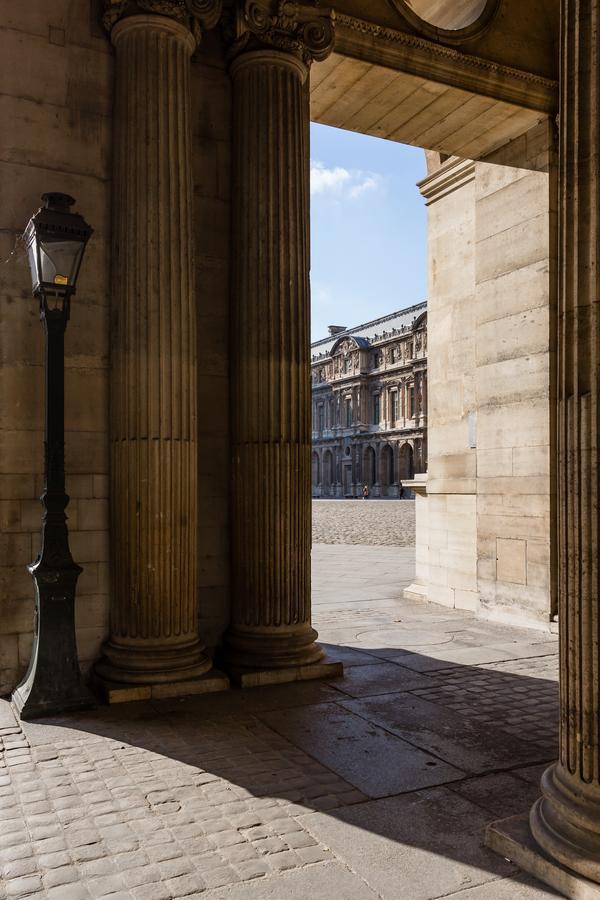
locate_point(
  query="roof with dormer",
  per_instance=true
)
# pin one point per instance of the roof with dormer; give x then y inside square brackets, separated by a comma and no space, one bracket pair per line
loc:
[365,335]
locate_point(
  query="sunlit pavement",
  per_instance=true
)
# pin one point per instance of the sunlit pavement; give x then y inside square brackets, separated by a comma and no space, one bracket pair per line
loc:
[379,784]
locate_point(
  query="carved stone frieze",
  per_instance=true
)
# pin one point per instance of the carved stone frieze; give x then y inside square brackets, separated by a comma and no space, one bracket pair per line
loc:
[198,15]
[305,29]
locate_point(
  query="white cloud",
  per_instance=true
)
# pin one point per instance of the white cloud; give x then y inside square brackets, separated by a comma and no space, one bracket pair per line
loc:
[369,183]
[340,181]
[323,179]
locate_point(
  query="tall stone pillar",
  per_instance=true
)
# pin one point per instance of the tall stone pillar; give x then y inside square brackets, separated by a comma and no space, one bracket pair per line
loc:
[154,648]
[566,821]
[271,638]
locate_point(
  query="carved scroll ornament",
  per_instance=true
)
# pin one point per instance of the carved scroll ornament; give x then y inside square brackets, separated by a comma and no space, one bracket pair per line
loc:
[198,15]
[305,29]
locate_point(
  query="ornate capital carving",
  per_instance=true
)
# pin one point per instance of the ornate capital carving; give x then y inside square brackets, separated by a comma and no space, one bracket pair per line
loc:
[304,29]
[198,15]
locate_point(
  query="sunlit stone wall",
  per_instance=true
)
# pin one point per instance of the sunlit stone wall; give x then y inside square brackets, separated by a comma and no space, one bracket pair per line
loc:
[489,498]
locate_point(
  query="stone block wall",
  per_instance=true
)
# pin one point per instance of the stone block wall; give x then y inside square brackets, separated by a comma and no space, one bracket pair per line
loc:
[56,75]
[515,217]
[491,319]
[451,481]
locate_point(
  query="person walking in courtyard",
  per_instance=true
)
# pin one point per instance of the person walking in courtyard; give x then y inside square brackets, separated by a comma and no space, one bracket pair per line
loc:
[366,492]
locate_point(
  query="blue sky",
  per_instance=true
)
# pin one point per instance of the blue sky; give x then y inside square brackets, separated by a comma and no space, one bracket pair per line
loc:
[368,223]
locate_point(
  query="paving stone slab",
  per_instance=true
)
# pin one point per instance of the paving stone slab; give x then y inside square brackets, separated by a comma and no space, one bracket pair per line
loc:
[472,746]
[368,757]
[423,845]
[326,881]
[383,678]
[522,887]
[503,794]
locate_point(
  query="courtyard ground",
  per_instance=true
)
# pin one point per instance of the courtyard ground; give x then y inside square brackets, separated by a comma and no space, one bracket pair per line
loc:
[378,784]
[373,522]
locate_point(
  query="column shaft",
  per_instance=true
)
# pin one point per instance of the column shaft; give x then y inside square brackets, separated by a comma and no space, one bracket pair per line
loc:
[271,389]
[154,612]
[566,821]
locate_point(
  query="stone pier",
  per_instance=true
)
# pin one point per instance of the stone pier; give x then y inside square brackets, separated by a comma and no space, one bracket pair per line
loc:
[154,648]
[271,638]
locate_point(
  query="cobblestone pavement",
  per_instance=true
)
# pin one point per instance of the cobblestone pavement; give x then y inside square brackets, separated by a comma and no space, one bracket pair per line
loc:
[373,522]
[379,784]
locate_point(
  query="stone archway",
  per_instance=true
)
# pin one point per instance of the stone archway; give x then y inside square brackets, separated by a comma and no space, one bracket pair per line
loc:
[406,467]
[316,474]
[327,473]
[369,466]
[386,470]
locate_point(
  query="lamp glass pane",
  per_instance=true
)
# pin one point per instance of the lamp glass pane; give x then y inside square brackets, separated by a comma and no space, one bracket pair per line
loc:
[60,261]
[32,258]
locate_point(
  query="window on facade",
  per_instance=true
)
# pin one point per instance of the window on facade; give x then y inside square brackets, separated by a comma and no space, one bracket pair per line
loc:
[376,409]
[321,417]
[409,350]
[346,365]
[348,411]
[411,403]
[394,407]
[393,355]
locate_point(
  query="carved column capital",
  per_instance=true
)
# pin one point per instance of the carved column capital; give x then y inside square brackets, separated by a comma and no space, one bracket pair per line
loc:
[197,15]
[303,29]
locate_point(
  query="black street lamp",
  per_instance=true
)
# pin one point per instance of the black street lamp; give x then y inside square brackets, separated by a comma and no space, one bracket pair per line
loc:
[55,240]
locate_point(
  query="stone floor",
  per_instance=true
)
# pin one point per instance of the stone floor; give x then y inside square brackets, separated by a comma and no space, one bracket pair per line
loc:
[372,522]
[379,784]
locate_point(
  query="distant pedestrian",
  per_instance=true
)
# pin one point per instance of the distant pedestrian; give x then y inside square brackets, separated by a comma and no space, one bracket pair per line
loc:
[366,492]
[401,490]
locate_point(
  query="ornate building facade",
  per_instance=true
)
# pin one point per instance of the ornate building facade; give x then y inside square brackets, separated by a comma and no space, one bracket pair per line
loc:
[369,406]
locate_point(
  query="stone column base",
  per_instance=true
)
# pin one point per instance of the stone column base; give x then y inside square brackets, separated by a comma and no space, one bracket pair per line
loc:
[246,678]
[416,591]
[512,838]
[116,692]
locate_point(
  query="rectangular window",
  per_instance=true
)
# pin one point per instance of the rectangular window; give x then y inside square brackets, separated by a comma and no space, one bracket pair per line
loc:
[346,365]
[394,407]
[393,356]
[411,403]
[376,409]
[321,417]
[348,409]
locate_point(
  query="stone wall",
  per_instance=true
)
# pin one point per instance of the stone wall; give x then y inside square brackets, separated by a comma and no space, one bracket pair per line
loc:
[451,483]
[56,136]
[491,311]
[515,212]
[56,72]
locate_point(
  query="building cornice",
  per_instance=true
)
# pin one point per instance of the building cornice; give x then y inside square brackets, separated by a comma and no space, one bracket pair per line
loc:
[453,174]
[406,52]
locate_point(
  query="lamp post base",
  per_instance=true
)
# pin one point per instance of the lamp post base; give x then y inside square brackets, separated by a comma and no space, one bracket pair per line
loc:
[29,702]
[53,683]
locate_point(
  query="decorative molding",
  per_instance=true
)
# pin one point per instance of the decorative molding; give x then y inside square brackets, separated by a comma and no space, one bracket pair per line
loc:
[453,174]
[428,59]
[198,15]
[303,29]
[450,36]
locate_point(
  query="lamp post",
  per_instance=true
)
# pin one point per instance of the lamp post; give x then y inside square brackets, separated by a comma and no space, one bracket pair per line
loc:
[55,240]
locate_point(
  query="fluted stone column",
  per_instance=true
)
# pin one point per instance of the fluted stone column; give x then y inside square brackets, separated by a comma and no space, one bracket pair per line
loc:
[154,648]
[566,821]
[271,637]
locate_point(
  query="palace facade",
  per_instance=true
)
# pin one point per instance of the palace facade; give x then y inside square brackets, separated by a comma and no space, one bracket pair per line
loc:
[369,406]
